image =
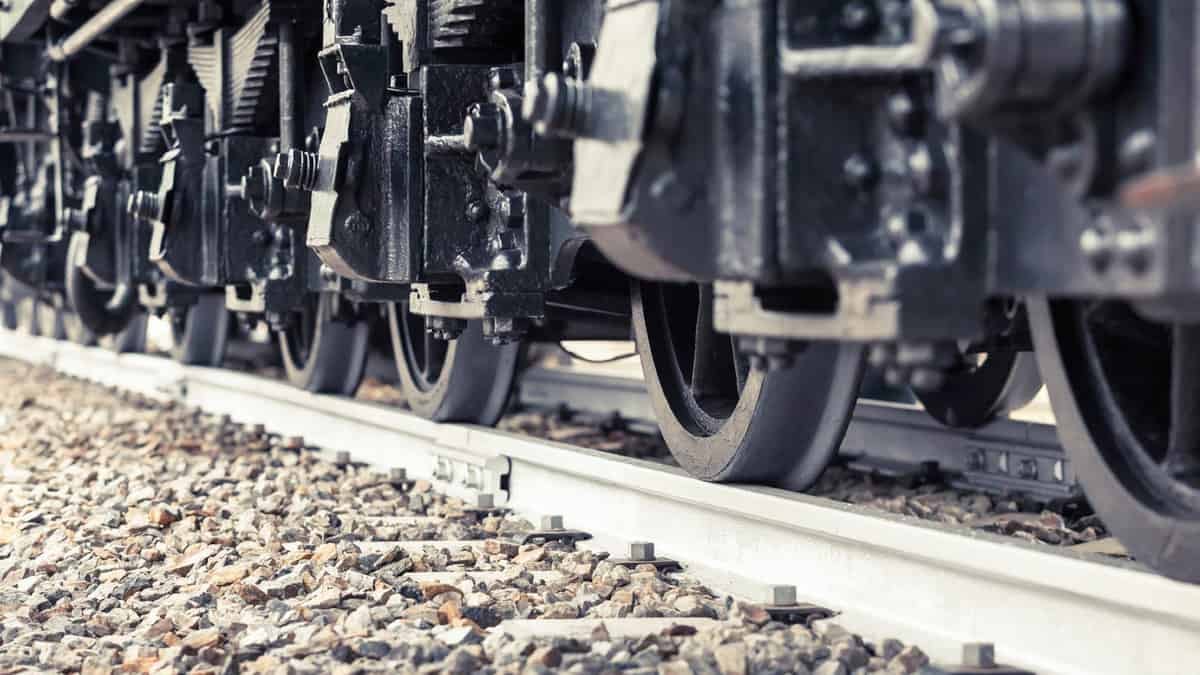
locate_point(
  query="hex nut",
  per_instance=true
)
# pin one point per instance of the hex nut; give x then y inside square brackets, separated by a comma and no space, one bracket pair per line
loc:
[781,595]
[979,655]
[641,551]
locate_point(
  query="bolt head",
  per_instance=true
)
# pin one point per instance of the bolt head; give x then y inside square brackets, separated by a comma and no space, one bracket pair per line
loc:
[860,172]
[979,655]
[1097,246]
[642,551]
[976,461]
[552,522]
[860,17]
[1027,469]
[902,114]
[781,595]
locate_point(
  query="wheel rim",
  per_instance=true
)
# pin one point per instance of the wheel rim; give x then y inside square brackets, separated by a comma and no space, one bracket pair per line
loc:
[424,355]
[980,391]
[102,312]
[200,331]
[462,380]
[726,421]
[322,351]
[702,373]
[1118,383]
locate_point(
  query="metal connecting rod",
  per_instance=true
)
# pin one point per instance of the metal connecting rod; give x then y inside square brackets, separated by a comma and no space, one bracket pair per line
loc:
[92,29]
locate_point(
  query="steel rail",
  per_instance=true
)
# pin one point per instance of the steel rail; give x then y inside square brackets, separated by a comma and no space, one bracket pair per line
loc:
[1045,609]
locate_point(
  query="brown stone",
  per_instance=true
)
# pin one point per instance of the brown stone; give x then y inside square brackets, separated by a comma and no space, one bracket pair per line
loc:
[199,639]
[324,553]
[433,589]
[548,657]
[250,594]
[498,547]
[530,556]
[161,515]
[223,576]
[754,614]
[449,612]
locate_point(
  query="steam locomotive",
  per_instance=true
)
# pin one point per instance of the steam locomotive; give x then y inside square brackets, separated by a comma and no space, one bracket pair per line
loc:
[969,195]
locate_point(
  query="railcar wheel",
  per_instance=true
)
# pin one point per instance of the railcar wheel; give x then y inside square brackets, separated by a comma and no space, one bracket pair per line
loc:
[724,420]
[461,380]
[1126,400]
[100,311]
[986,386]
[325,348]
[200,331]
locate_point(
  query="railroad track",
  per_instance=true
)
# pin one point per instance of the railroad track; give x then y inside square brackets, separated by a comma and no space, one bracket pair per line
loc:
[1045,609]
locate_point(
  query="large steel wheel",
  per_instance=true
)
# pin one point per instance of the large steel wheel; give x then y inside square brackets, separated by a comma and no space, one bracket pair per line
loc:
[1126,400]
[986,386]
[200,331]
[461,380]
[101,311]
[726,421]
[324,349]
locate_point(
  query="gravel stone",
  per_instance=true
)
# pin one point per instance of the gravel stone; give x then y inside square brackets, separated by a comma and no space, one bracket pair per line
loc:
[144,536]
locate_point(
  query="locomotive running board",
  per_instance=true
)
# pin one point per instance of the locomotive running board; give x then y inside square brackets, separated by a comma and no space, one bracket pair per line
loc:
[939,586]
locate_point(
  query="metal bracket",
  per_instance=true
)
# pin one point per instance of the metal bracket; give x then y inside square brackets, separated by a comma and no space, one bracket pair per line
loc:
[462,474]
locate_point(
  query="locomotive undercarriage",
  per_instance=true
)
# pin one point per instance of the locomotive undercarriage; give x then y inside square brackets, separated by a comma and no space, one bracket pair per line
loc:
[770,196]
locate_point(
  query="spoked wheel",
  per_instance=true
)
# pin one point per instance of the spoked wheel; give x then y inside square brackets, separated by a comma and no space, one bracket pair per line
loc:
[724,420]
[1127,403]
[200,331]
[324,350]
[985,386]
[76,331]
[50,321]
[461,380]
